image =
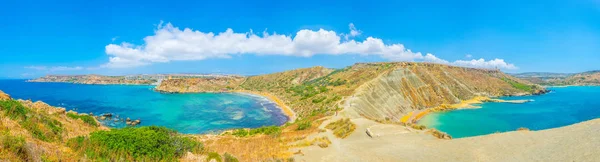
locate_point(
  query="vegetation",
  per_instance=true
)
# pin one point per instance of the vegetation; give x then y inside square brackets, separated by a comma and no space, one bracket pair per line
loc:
[150,143]
[85,118]
[302,125]
[40,126]
[342,128]
[14,145]
[229,158]
[268,130]
[518,85]
[214,156]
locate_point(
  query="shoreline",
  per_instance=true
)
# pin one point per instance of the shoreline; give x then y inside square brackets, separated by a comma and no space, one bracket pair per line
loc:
[414,116]
[287,111]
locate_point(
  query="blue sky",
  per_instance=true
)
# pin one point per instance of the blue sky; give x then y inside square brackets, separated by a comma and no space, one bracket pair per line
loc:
[78,37]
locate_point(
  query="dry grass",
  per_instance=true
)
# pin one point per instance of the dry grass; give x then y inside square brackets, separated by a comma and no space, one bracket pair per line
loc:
[259,147]
[342,128]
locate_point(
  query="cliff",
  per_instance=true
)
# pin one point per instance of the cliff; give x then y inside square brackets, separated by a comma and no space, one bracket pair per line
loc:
[381,91]
[93,79]
[418,86]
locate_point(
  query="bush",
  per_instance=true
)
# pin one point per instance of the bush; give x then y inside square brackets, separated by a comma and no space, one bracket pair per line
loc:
[214,156]
[304,125]
[342,128]
[150,143]
[15,145]
[85,118]
[268,130]
[14,109]
[229,158]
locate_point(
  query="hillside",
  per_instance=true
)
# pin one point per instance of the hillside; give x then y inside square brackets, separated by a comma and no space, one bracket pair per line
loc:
[31,131]
[213,84]
[36,131]
[381,91]
[93,79]
[559,79]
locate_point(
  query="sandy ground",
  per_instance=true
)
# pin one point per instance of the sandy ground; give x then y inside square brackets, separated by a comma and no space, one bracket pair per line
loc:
[579,142]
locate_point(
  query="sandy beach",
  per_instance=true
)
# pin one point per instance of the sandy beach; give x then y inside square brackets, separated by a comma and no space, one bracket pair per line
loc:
[280,104]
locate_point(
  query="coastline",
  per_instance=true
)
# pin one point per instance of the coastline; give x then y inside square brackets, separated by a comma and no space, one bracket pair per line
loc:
[285,109]
[415,116]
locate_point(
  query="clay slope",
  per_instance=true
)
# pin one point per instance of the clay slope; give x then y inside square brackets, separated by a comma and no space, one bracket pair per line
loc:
[417,86]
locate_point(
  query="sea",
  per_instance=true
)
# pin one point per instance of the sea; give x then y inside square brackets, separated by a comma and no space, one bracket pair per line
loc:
[191,113]
[561,107]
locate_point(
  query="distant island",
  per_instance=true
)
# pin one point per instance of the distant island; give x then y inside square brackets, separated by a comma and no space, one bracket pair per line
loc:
[562,79]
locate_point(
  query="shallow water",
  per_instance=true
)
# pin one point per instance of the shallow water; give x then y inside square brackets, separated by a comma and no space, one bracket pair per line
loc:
[186,113]
[563,106]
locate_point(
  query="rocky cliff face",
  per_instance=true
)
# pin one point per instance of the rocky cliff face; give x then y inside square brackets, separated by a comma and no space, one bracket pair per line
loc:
[417,86]
[214,84]
[93,79]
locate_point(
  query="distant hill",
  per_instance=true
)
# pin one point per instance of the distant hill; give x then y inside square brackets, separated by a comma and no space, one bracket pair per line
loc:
[562,79]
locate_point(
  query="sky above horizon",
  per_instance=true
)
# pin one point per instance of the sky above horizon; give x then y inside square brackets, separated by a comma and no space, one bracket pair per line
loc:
[248,38]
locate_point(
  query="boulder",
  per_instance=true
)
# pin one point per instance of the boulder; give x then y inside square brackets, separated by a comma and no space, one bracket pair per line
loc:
[108,115]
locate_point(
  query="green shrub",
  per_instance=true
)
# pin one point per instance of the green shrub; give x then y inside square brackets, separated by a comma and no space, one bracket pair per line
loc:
[518,85]
[149,143]
[304,125]
[85,118]
[229,158]
[268,130]
[14,109]
[214,156]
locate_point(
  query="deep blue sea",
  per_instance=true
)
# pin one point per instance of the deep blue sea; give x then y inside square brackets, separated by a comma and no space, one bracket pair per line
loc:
[186,113]
[563,106]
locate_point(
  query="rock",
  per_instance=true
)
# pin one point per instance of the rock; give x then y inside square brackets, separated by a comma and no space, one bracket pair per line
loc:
[108,115]
[61,110]
[103,118]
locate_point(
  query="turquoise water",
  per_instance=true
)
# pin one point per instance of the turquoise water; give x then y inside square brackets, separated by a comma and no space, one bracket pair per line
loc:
[186,113]
[563,106]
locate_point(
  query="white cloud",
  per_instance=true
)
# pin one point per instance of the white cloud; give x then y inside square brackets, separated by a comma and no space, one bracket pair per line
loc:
[468,56]
[481,63]
[54,68]
[169,43]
